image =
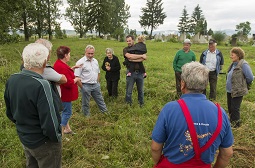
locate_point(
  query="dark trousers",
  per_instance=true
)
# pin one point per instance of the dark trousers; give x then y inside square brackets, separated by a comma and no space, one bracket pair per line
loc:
[213,85]
[112,87]
[47,155]
[178,83]
[234,104]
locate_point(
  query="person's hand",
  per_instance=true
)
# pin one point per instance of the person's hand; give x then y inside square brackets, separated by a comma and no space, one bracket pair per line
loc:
[77,66]
[144,56]
[76,79]
[128,55]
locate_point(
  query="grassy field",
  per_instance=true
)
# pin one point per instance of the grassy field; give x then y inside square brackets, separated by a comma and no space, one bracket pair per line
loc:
[122,139]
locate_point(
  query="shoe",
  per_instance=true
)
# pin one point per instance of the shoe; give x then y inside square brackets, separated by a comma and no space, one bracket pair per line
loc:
[129,74]
[70,132]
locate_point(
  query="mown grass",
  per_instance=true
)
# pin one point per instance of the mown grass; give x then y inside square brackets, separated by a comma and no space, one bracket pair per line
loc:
[124,135]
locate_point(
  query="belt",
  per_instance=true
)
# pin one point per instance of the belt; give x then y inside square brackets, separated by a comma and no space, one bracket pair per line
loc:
[89,83]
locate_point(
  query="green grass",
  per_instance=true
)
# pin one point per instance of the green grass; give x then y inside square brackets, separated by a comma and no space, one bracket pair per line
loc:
[124,136]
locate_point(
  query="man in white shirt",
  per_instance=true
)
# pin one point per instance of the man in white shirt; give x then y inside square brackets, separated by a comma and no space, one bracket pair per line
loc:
[90,86]
[213,59]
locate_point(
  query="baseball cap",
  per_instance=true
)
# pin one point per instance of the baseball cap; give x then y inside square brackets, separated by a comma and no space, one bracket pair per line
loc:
[187,41]
[211,41]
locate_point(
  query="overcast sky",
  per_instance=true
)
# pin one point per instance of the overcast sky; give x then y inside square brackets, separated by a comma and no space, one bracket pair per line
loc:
[220,14]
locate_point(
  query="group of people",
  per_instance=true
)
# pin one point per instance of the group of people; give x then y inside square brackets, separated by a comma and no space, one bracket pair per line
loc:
[39,98]
[239,74]
[185,134]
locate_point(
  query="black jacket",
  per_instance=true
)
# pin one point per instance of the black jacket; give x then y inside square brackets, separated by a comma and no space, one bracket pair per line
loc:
[114,73]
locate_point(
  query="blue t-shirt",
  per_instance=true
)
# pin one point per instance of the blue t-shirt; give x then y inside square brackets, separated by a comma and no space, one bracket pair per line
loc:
[172,130]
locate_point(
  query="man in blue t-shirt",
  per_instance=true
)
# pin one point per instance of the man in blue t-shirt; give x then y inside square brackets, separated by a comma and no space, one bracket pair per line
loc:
[172,138]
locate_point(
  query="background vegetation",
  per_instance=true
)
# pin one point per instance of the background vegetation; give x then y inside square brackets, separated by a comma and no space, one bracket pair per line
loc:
[122,139]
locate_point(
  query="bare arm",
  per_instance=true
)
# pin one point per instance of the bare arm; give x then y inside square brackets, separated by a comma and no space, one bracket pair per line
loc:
[62,80]
[223,157]
[156,151]
[98,78]
[137,60]
[135,56]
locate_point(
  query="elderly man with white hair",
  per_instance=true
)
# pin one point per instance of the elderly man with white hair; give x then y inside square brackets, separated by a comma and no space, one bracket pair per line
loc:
[189,131]
[31,105]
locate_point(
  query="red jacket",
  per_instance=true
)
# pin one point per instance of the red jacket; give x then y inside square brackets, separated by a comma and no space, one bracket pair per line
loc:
[69,90]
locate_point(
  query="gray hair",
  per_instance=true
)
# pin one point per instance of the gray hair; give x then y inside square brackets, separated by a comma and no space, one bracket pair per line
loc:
[44,42]
[34,55]
[90,47]
[195,76]
[110,50]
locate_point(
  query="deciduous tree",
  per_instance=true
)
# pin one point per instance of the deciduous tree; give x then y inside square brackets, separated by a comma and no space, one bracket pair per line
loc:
[243,29]
[76,15]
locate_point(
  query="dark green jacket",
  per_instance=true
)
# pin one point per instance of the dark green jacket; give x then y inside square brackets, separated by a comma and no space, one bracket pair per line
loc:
[30,104]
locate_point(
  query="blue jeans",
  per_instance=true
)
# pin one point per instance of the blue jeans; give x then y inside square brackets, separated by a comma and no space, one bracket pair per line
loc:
[136,77]
[47,155]
[94,91]
[66,114]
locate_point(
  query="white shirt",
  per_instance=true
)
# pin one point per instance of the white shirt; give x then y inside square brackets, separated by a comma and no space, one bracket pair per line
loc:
[89,71]
[211,60]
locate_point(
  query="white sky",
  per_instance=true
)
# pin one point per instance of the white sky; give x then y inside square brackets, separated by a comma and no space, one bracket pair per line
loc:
[220,14]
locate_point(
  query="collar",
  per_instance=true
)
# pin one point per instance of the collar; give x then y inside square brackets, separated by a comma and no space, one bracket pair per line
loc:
[86,59]
[214,52]
[194,95]
[31,73]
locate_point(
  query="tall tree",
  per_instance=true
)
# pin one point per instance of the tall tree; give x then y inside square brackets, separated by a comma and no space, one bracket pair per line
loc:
[26,13]
[40,14]
[183,25]
[76,15]
[119,16]
[98,16]
[197,20]
[243,29]
[153,15]
[53,13]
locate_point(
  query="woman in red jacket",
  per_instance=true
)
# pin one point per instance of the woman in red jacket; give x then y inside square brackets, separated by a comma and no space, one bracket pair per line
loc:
[69,90]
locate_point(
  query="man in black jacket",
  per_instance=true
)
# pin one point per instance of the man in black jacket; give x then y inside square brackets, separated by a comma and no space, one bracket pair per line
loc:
[31,105]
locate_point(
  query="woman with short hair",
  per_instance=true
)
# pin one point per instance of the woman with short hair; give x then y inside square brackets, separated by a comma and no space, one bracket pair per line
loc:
[239,78]
[69,90]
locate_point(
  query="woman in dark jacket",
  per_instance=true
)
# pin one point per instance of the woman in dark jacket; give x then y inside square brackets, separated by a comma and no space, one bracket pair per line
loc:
[112,67]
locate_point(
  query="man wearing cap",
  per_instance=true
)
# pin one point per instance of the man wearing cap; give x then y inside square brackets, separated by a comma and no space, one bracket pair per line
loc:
[182,57]
[213,59]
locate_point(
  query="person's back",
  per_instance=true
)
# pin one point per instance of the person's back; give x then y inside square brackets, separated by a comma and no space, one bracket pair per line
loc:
[31,105]
[178,146]
[188,135]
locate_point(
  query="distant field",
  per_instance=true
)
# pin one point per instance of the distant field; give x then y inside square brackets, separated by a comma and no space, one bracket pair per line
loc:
[124,136]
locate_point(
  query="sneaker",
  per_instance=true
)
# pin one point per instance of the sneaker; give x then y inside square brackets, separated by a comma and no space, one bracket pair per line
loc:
[129,74]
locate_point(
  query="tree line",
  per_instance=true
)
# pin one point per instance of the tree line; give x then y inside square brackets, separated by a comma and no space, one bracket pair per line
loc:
[196,23]
[105,17]
[41,17]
